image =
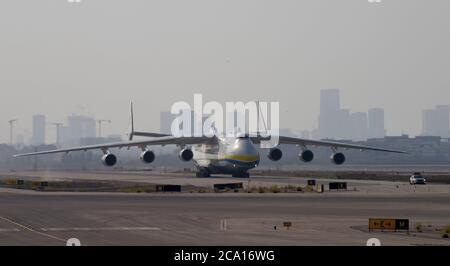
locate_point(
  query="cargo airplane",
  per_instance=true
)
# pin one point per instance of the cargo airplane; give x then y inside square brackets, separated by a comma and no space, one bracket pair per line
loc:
[215,155]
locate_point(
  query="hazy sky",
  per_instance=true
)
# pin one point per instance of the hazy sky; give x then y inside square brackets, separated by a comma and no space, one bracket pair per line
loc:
[58,58]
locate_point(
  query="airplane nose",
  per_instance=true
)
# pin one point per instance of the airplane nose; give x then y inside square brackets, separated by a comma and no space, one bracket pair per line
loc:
[246,149]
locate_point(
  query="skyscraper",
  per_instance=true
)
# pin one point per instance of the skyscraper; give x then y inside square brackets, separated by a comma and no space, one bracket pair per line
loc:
[78,127]
[334,122]
[428,122]
[443,120]
[328,117]
[435,122]
[329,101]
[38,137]
[376,123]
[359,126]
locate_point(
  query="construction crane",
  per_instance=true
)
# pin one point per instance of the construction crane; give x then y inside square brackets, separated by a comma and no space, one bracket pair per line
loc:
[58,132]
[100,122]
[11,125]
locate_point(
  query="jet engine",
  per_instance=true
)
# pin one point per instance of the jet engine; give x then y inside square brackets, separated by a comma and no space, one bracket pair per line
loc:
[186,155]
[306,156]
[147,156]
[275,154]
[109,159]
[338,158]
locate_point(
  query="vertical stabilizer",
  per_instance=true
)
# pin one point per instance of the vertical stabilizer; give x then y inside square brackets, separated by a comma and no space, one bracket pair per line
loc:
[131,122]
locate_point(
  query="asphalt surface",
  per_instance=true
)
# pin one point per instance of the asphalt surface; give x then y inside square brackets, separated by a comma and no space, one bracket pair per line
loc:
[332,218]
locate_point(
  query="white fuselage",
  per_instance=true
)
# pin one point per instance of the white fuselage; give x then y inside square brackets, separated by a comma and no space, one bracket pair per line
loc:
[230,155]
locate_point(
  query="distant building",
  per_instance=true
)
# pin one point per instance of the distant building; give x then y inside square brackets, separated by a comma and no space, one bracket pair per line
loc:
[331,116]
[329,101]
[376,127]
[343,125]
[337,123]
[428,122]
[435,122]
[359,126]
[38,137]
[78,127]
[64,136]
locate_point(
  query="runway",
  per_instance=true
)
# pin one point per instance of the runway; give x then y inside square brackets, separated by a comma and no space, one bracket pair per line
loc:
[364,187]
[38,218]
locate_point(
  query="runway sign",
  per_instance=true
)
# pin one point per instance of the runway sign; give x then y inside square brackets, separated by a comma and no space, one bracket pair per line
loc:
[402,224]
[168,188]
[311,182]
[338,185]
[383,224]
[388,224]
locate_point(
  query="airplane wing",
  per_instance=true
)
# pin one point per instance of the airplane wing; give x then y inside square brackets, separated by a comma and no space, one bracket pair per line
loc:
[331,144]
[143,143]
[148,134]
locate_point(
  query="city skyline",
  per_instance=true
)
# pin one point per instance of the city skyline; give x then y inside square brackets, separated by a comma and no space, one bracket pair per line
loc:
[334,122]
[59,59]
[435,122]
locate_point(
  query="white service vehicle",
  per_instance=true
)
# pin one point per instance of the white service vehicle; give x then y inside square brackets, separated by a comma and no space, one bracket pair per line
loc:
[417,178]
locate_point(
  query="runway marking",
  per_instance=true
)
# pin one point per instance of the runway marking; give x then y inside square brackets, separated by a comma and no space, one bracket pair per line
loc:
[223,224]
[26,228]
[9,230]
[101,229]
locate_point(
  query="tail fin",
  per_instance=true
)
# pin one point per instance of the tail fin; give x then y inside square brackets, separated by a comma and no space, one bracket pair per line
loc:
[131,135]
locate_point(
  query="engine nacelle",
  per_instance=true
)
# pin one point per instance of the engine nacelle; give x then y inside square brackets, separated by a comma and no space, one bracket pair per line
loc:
[147,156]
[186,155]
[338,158]
[109,159]
[306,156]
[275,154]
